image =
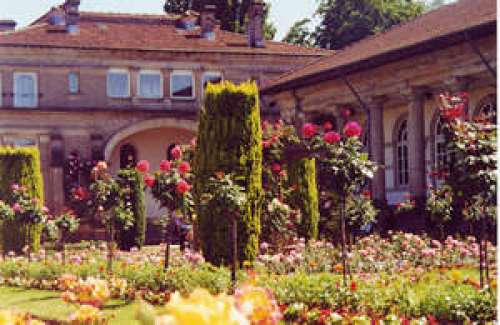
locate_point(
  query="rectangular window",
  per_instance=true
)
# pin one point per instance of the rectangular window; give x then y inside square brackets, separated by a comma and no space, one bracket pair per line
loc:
[25,89]
[182,85]
[150,84]
[211,77]
[73,83]
[118,84]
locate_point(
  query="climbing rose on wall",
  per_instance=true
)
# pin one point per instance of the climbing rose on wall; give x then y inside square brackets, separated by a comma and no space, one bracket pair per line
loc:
[309,130]
[352,129]
[142,166]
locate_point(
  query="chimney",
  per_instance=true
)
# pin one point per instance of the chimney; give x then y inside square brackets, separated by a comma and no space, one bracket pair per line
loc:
[71,8]
[7,25]
[208,22]
[256,24]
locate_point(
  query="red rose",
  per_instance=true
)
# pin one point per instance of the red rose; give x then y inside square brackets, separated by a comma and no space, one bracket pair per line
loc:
[367,194]
[331,137]
[165,165]
[352,129]
[149,180]
[142,166]
[176,152]
[275,139]
[183,187]
[184,167]
[346,112]
[282,174]
[327,126]
[309,130]
[266,144]
[276,168]
[353,286]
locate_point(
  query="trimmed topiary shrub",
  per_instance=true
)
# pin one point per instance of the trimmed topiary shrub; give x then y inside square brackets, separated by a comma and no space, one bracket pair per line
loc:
[230,141]
[132,184]
[302,177]
[20,166]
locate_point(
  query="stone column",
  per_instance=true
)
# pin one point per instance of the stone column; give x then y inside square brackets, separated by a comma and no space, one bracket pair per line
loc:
[416,144]
[376,138]
[57,173]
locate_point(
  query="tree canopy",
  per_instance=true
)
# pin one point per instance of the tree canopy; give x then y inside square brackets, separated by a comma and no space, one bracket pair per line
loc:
[231,13]
[343,22]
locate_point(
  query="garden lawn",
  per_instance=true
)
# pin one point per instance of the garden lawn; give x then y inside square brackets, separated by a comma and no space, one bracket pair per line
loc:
[48,305]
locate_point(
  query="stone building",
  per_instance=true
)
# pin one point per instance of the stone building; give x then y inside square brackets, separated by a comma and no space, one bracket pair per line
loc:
[121,87]
[390,81]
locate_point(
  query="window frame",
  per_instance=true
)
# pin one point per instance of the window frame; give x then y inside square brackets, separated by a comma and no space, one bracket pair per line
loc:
[34,75]
[77,76]
[404,166]
[209,73]
[193,85]
[118,71]
[150,72]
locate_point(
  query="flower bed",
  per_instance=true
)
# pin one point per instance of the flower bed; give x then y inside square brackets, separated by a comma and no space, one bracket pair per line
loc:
[403,276]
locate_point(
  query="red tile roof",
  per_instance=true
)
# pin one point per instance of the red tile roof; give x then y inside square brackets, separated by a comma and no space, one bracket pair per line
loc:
[140,32]
[447,20]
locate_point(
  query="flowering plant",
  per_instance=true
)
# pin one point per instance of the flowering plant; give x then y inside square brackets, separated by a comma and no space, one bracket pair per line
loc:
[27,209]
[406,206]
[67,222]
[6,212]
[279,218]
[93,292]
[87,314]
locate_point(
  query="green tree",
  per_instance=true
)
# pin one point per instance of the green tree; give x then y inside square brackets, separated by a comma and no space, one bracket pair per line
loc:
[231,13]
[229,141]
[344,22]
[300,34]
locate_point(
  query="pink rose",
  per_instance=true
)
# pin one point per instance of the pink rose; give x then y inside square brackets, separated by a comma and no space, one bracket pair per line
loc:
[149,180]
[165,165]
[142,166]
[309,130]
[184,167]
[331,137]
[352,129]
[176,152]
[183,187]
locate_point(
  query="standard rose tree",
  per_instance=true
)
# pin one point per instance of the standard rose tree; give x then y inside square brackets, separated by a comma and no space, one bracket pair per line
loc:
[171,187]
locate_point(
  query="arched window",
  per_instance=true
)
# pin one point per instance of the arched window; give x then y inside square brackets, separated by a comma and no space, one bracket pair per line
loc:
[487,109]
[402,172]
[128,156]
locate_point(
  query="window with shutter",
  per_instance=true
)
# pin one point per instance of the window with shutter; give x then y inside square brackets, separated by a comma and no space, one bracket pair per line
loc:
[25,89]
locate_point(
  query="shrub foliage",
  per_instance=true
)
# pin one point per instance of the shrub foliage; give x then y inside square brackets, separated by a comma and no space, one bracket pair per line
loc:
[229,141]
[20,166]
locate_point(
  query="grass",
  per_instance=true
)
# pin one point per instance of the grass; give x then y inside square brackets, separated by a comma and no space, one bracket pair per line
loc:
[48,305]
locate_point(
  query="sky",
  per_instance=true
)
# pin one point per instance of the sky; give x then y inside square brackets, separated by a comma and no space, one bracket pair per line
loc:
[283,13]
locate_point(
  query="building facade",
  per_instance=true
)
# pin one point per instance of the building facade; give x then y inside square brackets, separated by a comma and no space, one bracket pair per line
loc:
[389,82]
[121,87]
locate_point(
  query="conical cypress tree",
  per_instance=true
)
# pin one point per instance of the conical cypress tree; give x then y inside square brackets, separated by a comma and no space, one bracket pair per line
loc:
[229,141]
[302,176]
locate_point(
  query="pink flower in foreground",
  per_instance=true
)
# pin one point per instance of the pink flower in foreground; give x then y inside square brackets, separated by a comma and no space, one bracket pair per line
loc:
[352,129]
[309,130]
[142,166]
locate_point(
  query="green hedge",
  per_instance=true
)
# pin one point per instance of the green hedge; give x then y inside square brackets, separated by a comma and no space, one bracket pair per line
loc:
[302,174]
[20,166]
[132,184]
[229,140]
